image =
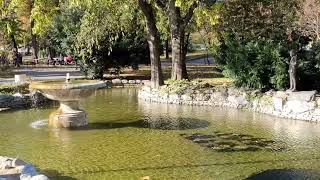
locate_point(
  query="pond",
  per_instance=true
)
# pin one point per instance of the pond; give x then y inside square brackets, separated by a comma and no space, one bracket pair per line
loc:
[131,139]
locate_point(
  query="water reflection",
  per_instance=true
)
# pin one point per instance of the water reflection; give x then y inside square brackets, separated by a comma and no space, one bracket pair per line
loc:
[166,117]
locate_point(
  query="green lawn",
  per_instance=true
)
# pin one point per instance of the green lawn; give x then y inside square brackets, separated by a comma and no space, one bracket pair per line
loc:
[190,55]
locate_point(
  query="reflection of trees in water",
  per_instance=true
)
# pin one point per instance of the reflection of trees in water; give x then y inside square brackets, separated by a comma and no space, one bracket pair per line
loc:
[167,123]
[169,117]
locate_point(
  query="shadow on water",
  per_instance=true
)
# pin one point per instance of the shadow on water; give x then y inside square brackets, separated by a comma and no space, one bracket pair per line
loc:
[177,124]
[286,174]
[232,142]
[53,174]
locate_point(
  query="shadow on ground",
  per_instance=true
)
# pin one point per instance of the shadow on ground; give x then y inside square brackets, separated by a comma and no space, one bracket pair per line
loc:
[286,174]
[53,174]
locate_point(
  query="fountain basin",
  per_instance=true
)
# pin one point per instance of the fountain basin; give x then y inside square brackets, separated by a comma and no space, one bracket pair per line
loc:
[70,113]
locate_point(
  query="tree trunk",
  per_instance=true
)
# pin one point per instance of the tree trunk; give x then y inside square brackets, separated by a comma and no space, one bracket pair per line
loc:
[293,65]
[167,48]
[185,52]
[154,44]
[34,42]
[14,42]
[177,27]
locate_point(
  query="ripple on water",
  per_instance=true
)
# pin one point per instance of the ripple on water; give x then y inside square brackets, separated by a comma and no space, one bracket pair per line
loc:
[38,124]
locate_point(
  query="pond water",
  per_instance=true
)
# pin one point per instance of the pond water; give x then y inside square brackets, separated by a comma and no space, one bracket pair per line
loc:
[131,139]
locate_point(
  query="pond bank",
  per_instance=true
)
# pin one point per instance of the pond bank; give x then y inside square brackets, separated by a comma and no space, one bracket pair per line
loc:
[303,105]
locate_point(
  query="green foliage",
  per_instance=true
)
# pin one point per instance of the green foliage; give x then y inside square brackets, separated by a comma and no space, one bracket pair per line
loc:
[10,24]
[252,64]
[256,36]
[43,12]
[66,25]
[176,86]
[309,68]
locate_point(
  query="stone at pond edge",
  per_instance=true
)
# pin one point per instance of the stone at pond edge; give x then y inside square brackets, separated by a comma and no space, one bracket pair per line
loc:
[116,81]
[302,96]
[11,168]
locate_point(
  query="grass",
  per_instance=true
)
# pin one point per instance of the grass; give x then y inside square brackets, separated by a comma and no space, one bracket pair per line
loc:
[12,89]
[207,74]
[6,72]
[194,72]
[216,81]
[190,55]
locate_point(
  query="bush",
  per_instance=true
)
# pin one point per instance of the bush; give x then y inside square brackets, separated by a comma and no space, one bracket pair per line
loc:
[255,64]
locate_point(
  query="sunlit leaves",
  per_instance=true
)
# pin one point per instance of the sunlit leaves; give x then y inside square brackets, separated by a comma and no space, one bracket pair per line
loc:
[43,13]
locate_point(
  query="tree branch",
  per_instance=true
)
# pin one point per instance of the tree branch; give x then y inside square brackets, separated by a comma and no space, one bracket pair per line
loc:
[161,5]
[188,16]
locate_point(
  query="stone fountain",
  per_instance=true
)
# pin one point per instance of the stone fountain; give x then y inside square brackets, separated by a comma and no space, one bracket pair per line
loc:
[68,93]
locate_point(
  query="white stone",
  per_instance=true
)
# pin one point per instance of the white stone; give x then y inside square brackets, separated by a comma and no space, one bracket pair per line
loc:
[281,94]
[316,112]
[146,82]
[299,106]
[237,101]
[174,97]
[20,78]
[317,99]
[219,96]
[18,95]
[302,96]
[132,81]
[138,81]
[278,103]
[116,81]
[40,177]
[124,81]
[186,97]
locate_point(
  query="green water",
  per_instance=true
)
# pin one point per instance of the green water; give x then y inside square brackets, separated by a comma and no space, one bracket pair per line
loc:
[128,139]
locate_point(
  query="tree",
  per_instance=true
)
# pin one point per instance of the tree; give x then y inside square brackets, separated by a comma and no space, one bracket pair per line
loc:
[23,9]
[310,19]
[154,43]
[268,27]
[179,17]
[10,24]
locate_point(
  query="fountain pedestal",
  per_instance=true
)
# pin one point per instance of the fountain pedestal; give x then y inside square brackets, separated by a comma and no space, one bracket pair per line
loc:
[68,115]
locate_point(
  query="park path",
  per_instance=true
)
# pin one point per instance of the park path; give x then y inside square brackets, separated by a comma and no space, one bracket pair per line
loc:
[51,73]
[44,74]
[194,62]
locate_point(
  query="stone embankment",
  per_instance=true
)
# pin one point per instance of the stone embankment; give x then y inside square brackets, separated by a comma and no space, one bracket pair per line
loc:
[125,82]
[18,100]
[16,169]
[303,105]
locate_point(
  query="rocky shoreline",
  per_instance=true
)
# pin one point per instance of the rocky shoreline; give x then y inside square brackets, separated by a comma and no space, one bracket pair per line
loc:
[303,105]
[21,101]
[14,169]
